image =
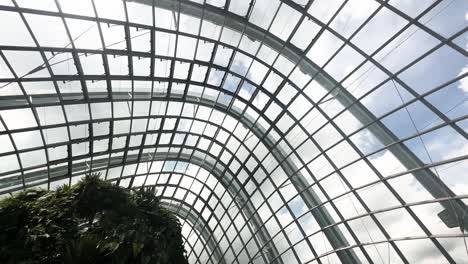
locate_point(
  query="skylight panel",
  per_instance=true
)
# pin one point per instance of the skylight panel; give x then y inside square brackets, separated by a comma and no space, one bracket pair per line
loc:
[100,110]
[429,69]
[140,39]
[410,8]
[161,68]
[110,11]
[27,140]
[18,118]
[305,33]
[324,9]
[48,5]
[447,19]
[216,3]
[230,37]
[165,18]
[27,63]
[324,48]
[287,92]
[83,7]
[121,127]
[57,153]
[216,77]
[114,36]
[378,30]
[273,111]
[118,65]
[266,54]
[48,30]
[257,72]
[285,21]
[272,82]
[189,24]
[239,7]
[222,56]
[284,65]
[92,64]
[249,45]
[50,115]
[6,2]
[411,44]
[165,44]
[199,73]
[186,47]
[299,77]
[210,30]
[141,66]
[4,70]
[10,89]
[259,114]
[300,106]
[263,12]
[343,63]
[139,13]
[32,158]
[181,70]
[352,15]
[62,63]
[204,50]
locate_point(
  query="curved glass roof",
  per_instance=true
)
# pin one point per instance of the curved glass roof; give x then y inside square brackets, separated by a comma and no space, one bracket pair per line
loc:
[278,131]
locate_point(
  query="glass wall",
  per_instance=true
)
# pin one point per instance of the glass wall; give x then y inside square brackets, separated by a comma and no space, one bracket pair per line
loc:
[279,131]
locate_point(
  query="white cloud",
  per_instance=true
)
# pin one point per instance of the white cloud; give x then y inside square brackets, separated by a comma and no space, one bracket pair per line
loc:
[463,83]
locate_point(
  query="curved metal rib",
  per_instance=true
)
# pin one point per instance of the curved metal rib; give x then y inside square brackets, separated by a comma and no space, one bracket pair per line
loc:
[427,178]
[200,225]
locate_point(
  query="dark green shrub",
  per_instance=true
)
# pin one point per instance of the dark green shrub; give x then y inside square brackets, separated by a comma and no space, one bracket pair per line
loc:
[91,222]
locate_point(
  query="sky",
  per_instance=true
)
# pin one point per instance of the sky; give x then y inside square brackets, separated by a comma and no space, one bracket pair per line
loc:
[440,66]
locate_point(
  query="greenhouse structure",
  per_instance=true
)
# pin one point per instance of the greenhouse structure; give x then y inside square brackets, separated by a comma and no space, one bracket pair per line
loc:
[277,131]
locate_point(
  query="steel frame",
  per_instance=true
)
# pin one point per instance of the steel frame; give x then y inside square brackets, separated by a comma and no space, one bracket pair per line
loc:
[443,195]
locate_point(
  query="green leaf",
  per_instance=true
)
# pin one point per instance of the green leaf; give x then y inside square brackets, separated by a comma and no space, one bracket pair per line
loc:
[137,247]
[112,246]
[39,226]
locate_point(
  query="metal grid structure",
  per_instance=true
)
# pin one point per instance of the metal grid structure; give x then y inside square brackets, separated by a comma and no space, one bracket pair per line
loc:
[278,131]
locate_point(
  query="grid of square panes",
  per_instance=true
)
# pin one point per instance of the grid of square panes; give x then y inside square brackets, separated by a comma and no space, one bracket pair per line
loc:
[262,136]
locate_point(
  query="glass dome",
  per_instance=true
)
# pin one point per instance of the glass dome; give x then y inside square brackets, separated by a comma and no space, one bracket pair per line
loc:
[278,131]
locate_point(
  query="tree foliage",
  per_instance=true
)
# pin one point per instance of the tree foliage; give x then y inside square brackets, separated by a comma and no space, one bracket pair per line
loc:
[91,222]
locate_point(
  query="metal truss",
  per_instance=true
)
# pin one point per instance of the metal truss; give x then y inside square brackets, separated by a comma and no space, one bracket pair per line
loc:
[282,204]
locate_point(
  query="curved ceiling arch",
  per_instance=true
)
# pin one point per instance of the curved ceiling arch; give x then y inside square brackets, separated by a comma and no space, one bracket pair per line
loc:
[191,216]
[437,188]
[426,171]
[182,208]
[318,202]
[200,221]
[309,197]
[426,177]
[194,258]
[218,169]
[240,200]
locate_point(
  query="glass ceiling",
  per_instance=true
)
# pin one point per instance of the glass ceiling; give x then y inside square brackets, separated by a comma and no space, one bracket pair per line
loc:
[278,131]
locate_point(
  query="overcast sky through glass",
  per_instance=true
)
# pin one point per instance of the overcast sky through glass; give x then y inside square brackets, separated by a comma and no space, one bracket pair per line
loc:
[279,131]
